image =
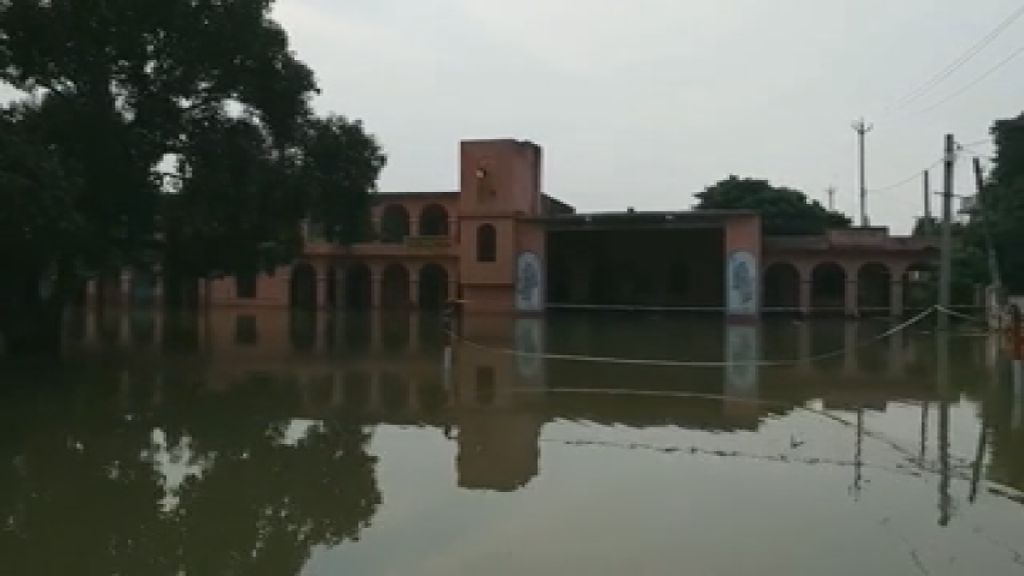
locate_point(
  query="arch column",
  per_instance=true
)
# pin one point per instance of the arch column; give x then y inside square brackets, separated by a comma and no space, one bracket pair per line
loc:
[414,284]
[805,288]
[375,286]
[896,297]
[851,296]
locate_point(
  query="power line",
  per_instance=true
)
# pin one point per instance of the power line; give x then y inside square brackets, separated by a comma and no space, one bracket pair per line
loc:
[906,180]
[960,61]
[987,73]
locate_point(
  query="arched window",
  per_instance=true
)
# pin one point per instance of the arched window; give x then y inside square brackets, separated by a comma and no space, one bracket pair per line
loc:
[245,285]
[486,243]
[394,224]
[434,221]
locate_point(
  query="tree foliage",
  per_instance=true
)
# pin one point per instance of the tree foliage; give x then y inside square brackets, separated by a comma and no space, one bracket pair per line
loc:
[1004,201]
[783,210]
[177,133]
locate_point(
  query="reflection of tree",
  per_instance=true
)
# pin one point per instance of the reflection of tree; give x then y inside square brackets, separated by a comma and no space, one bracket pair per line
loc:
[82,492]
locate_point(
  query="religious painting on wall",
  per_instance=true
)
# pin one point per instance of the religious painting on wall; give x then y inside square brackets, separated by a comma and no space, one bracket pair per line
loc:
[529,283]
[741,283]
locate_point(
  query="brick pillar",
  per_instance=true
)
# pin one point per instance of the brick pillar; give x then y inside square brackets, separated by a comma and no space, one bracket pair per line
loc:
[414,286]
[896,298]
[851,307]
[806,288]
[375,287]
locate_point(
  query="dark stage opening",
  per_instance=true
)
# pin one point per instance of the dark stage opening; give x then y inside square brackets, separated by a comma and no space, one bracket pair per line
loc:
[653,267]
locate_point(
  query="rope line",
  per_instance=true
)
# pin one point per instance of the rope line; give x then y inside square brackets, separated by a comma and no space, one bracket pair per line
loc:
[693,363]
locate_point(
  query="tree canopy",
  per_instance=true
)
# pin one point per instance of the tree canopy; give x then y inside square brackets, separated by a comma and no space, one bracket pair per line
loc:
[171,133]
[784,211]
[1004,200]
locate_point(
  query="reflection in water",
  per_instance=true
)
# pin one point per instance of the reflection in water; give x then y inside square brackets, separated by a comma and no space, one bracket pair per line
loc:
[256,441]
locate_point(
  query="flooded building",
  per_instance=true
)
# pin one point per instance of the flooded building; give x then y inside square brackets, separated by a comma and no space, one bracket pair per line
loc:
[498,244]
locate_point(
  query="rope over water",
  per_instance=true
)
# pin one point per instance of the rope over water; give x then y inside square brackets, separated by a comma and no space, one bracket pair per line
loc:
[693,363]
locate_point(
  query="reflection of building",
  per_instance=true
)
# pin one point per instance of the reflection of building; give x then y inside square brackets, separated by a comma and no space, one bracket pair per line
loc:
[391,368]
[498,244]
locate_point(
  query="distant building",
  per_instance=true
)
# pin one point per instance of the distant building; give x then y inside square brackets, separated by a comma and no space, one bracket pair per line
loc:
[497,244]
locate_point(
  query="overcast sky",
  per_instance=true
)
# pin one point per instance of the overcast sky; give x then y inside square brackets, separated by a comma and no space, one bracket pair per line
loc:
[644,102]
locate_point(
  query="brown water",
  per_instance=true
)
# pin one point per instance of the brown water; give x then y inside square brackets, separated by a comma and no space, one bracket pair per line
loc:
[260,442]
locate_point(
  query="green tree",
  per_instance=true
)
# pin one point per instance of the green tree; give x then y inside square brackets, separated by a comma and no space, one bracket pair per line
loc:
[783,210]
[1004,201]
[173,131]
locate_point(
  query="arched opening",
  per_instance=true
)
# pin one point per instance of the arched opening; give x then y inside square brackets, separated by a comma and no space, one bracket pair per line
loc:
[108,288]
[303,286]
[828,288]
[874,285]
[920,286]
[143,287]
[245,285]
[357,287]
[394,287]
[433,287]
[434,221]
[782,288]
[486,243]
[394,224]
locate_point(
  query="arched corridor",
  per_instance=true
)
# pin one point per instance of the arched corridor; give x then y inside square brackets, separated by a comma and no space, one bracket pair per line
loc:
[781,287]
[394,287]
[828,288]
[433,221]
[358,294]
[303,286]
[394,224]
[433,288]
[874,286]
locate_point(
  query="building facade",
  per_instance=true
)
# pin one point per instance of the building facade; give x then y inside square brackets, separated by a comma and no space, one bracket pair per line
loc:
[498,244]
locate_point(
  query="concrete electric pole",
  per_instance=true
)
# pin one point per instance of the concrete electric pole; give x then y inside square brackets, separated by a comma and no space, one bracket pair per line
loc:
[862,129]
[831,198]
[946,264]
[927,205]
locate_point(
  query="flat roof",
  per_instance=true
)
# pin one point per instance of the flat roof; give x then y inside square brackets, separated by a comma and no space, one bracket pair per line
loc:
[627,219]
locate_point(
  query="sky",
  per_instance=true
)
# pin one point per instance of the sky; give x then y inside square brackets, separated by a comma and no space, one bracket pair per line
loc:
[643,103]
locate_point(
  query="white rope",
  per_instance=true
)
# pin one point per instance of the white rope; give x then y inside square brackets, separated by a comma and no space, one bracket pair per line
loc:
[688,363]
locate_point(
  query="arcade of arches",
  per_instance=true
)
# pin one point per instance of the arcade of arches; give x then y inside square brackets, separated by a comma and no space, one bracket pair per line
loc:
[850,288]
[396,224]
[361,286]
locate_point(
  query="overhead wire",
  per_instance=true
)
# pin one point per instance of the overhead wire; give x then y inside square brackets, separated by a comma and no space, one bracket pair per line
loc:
[960,61]
[906,180]
[976,81]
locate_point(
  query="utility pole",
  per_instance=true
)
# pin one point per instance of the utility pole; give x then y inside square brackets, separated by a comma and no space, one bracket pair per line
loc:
[831,198]
[862,129]
[946,265]
[927,205]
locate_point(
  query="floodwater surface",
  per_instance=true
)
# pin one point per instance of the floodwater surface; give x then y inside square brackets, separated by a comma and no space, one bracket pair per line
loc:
[269,442]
